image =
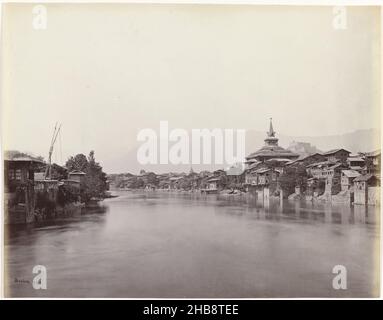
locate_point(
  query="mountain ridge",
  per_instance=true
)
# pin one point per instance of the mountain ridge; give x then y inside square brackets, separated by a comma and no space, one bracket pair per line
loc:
[364,140]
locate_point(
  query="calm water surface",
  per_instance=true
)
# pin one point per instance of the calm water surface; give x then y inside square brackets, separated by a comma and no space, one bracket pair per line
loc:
[156,244]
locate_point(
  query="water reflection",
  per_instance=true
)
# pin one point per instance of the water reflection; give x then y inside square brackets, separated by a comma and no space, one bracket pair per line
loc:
[92,214]
[287,210]
[153,244]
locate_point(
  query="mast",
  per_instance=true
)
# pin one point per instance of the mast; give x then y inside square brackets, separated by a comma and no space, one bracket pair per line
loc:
[48,170]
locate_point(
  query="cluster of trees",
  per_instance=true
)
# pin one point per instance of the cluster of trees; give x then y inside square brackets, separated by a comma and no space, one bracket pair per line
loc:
[185,182]
[293,176]
[94,184]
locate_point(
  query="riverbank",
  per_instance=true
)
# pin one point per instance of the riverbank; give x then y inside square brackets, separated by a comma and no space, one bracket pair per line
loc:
[264,195]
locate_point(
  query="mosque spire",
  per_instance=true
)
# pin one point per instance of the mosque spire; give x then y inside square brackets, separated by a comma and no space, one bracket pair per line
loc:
[271,140]
[271,132]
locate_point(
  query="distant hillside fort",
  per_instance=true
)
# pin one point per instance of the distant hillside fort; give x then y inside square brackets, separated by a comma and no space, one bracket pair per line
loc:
[303,148]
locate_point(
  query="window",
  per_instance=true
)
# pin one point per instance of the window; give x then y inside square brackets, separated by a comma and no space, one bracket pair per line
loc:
[18,174]
[11,174]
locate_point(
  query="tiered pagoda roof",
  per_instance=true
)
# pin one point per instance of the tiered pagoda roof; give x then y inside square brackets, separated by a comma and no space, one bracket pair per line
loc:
[271,150]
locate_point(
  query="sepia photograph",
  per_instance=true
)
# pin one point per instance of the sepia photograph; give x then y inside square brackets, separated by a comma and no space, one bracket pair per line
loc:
[190,151]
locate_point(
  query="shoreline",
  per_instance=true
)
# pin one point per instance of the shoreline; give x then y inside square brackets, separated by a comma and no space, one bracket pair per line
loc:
[330,200]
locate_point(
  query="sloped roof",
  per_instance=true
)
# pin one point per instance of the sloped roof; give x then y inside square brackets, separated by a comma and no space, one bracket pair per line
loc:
[234,171]
[22,159]
[322,163]
[263,170]
[175,178]
[333,151]
[351,173]
[355,159]
[77,172]
[307,156]
[279,160]
[272,151]
[356,167]
[364,177]
[336,165]
[373,153]
[71,181]
[252,166]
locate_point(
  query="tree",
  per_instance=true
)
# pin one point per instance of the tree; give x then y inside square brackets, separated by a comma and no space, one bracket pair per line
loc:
[185,184]
[293,176]
[78,162]
[152,179]
[94,182]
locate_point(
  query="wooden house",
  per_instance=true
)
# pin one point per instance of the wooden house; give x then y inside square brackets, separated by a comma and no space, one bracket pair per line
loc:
[309,159]
[373,162]
[76,175]
[19,193]
[367,189]
[235,175]
[347,179]
[356,163]
[212,185]
[337,154]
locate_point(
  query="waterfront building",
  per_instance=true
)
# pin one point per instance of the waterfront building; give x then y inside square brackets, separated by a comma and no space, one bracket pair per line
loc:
[265,165]
[235,175]
[76,175]
[264,176]
[309,159]
[326,169]
[330,172]
[356,163]
[211,184]
[373,162]
[175,182]
[367,190]
[347,179]
[19,193]
[337,154]
[49,187]
[271,149]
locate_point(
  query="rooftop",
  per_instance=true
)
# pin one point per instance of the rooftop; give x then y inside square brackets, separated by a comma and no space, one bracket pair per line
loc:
[322,163]
[364,177]
[263,170]
[356,159]
[22,159]
[351,173]
[271,148]
[77,172]
[373,153]
[333,151]
[234,171]
[307,156]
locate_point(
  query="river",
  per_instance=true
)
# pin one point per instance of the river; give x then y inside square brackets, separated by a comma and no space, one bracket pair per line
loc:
[160,245]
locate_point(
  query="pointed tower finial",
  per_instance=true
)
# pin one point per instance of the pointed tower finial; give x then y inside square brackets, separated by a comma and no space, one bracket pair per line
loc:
[271,132]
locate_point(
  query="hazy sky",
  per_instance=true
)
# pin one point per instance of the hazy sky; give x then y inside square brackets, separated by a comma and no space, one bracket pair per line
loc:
[106,71]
